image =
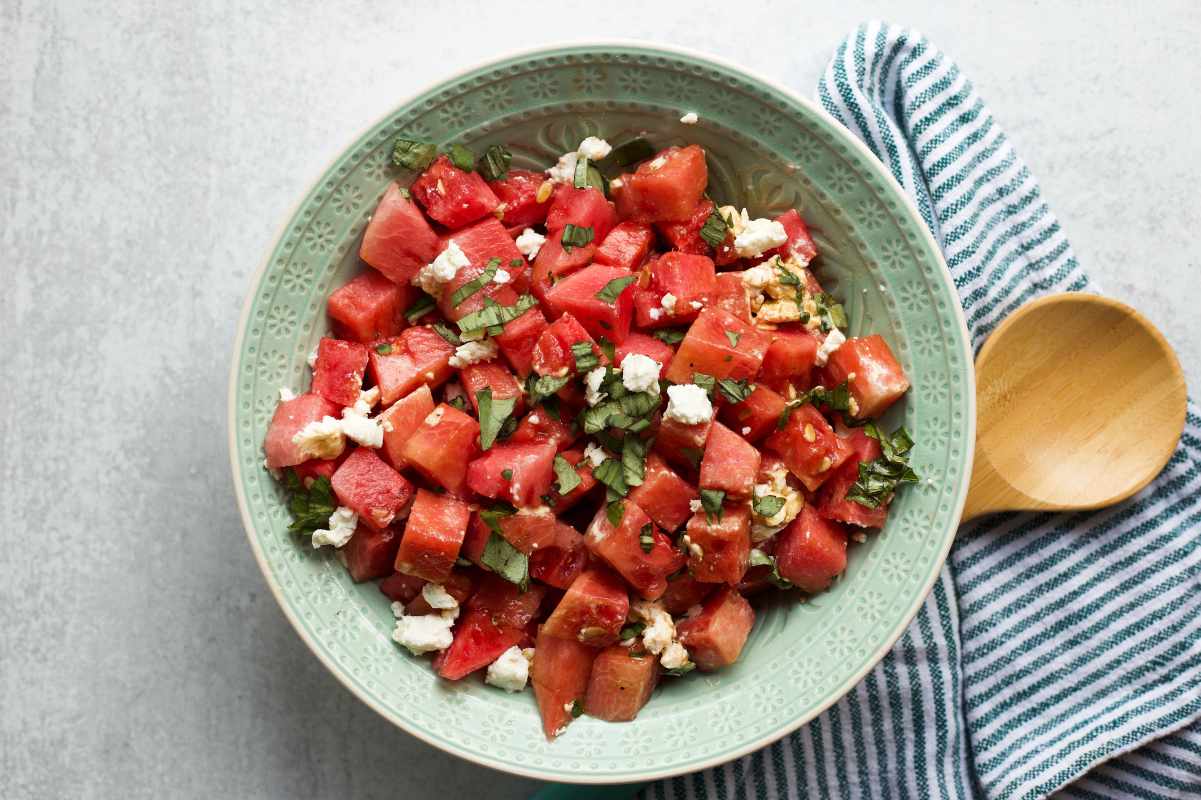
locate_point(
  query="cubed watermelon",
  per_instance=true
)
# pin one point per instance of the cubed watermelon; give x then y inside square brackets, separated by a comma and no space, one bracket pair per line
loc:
[370,488]
[649,346]
[398,240]
[531,529]
[685,235]
[800,243]
[790,357]
[832,500]
[290,417]
[494,376]
[481,243]
[443,446]
[516,341]
[369,307]
[552,352]
[635,548]
[756,416]
[682,445]
[399,587]
[518,195]
[620,684]
[592,610]
[478,641]
[721,345]
[478,534]
[690,281]
[684,592]
[809,447]
[369,553]
[879,380]
[338,375]
[626,246]
[716,636]
[401,420]
[812,551]
[730,463]
[559,675]
[667,187]
[664,496]
[433,535]
[451,196]
[519,472]
[584,208]
[541,425]
[583,295]
[729,295]
[507,603]
[583,468]
[316,468]
[401,364]
[561,562]
[720,548]
[554,261]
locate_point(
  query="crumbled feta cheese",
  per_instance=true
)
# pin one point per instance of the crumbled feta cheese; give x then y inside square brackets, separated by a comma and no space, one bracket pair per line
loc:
[438,598]
[322,439]
[362,429]
[424,633]
[509,672]
[529,243]
[473,353]
[640,373]
[659,630]
[688,404]
[341,527]
[746,429]
[763,528]
[697,305]
[564,171]
[758,235]
[758,276]
[286,394]
[594,148]
[669,302]
[616,184]
[443,268]
[502,276]
[674,656]
[435,416]
[834,340]
[368,397]
[312,359]
[595,454]
[655,314]
[690,118]
[535,419]
[658,162]
[592,384]
[695,506]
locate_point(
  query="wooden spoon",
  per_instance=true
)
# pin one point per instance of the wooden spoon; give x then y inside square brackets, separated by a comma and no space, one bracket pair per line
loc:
[1080,403]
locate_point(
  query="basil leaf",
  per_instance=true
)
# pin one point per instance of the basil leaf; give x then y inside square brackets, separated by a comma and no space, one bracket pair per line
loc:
[494,315]
[608,348]
[629,152]
[506,560]
[767,506]
[423,306]
[311,508]
[596,418]
[383,349]
[787,276]
[587,175]
[670,335]
[614,288]
[494,163]
[706,382]
[414,155]
[461,157]
[733,338]
[735,390]
[639,404]
[475,284]
[837,399]
[615,511]
[446,333]
[758,558]
[492,516]
[830,312]
[646,537]
[577,709]
[879,478]
[679,672]
[493,413]
[611,474]
[633,460]
[458,402]
[711,500]
[574,236]
[566,476]
[631,630]
[540,387]
[694,455]
[715,229]
[585,357]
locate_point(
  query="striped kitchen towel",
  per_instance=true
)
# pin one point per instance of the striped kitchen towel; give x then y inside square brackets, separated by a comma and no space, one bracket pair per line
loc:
[1057,653]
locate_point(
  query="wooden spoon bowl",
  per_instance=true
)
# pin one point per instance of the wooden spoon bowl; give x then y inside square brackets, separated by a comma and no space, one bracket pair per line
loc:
[1080,403]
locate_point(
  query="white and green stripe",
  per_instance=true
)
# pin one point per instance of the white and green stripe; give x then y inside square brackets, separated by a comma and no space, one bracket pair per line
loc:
[1056,653]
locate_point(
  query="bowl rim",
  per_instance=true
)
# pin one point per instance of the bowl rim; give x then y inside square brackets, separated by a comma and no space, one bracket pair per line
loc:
[886,645]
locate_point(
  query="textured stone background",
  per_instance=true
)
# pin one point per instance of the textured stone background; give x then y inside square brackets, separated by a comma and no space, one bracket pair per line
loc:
[148,154]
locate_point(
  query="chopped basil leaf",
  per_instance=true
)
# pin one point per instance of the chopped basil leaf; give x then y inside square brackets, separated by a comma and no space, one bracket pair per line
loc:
[693,454]
[506,560]
[633,460]
[830,312]
[837,399]
[493,413]
[787,276]
[758,558]
[423,306]
[461,156]
[679,672]
[629,152]
[311,508]
[733,338]
[614,512]
[565,476]
[516,262]
[475,284]
[383,349]
[879,478]
[596,418]
[715,229]
[458,402]
[446,333]
[646,539]
[706,382]
[577,708]
[614,288]
[735,390]
[494,315]
[711,500]
[639,404]
[631,630]
[611,474]
[575,236]
[585,357]
[587,175]
[492,516]
[494,163]
[411,154]
[670,335]
[608,348]
[541,387]
[551,406]
[767,506]
[507,474]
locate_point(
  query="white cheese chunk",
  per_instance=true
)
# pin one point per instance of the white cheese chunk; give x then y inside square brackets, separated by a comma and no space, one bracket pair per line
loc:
[592,384]
[426,632]
[434,275]
[669,302]
[834,340]
[688,404]
[758,236]
[529,243]
[595,454]
[674,656]
[322,439]
[342,524]
[594,148]
[438,598]
[640,373]
[758,276]
[564,171]
[690,118]
[361,429]
[473,353]
[509,672]
[286,394]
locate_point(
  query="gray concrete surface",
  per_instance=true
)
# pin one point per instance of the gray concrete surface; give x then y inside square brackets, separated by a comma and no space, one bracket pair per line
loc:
[149,151]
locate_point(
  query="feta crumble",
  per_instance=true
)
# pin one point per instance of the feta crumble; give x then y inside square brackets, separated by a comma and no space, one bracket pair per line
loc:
[690,118]
[669,302]
[368,398]
[688,404]
[834,340]
[442,269]
[509,672]
[746,429]
[640,373]
[674,656]
[592,384]
[322,439]
[595,454]
[658,162]
[436,595]
[758,235]
[435,416]
[361,429]
[473,353]
[564,171]
[424,633]
[758,276]
[312,359]
[594,148]
[655,314]
[530,242]
[502,276]
[659,635]
[695,506]
[286,394]
[341,527]
[777,484]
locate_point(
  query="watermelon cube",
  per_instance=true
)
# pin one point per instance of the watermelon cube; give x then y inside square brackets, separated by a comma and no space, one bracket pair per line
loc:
[506,602]
[291,416]
[516,341]
[682,445]
[561,562]
[555,261]
[460,585]
[720,549]
[812,551]
[584,208]
[626,246]
[580,295]
[730,463]
[401,364]
[480,243]
[684,592]
[685,235]
[716,636]
[370,488]
[648,346]
[398,240]
[369,307]
[721,345]
[644,566]
[316,468]
[879,380]
[689,280]
[756,416]
[552,352]
[832,500]
[729,294]
[491,375]
[401,419]
[442,447]
[451,196]
[560,677]
[369,553]
[338,375]
[478,641]
[592,610]
[620,684]
[478,534]
[790,357]
[800,243]
[401,588]
[664,496]
[518,195]
[667,187]
[583,468]
[809,447]
[433,535]
[519,472]
[531,529]
[542,426]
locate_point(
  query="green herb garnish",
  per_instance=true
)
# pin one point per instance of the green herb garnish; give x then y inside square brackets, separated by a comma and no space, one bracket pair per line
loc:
[577,708]
[767,506]
[679,672]
[614,288]
[758,558]
[475,284]
[540,387]
[715,229]
[311,508]
[646,539]
[411,154]
[566,477]
[458,402]
[516,262]
[575,236]
[631,630]
[629,152]
[733,338]
[423,306]
[879,478]
[614,512]
[706,382]
[494,163]
[830,312]
[493,515]
[633,460]
[838,399]
[506,560]
[446,333]
[611,474]
[711,500]
[461,156]
[507,474]
[735,390]
[585,357]
[670,335]
[494,315]
[587,175]
[383,349]
[608,348]
[492,413]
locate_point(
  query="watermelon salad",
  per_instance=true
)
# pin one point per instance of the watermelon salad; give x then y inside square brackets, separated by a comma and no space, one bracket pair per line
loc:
[576,420]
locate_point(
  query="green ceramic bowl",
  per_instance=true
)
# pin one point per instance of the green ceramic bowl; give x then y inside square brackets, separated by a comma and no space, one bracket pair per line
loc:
[769,150]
